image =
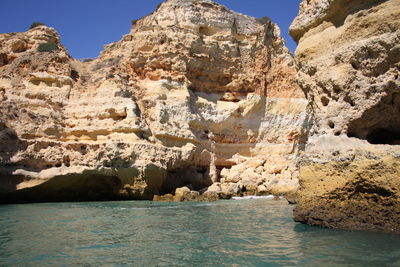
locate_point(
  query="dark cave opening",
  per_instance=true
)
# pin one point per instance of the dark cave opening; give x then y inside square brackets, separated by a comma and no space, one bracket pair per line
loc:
[379,124]
[74,187]
[381,136]
[195,178]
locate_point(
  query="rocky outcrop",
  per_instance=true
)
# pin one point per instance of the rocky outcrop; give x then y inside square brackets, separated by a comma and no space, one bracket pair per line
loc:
[348,59]
[194,95]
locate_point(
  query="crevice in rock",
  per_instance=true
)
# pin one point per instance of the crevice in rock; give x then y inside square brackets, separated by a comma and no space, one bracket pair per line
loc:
[75,75]
[3,59]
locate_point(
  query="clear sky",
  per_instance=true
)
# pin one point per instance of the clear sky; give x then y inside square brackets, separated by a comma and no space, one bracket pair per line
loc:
[86,25]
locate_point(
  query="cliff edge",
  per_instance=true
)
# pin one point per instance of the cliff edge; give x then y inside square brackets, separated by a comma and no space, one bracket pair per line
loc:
[194,95]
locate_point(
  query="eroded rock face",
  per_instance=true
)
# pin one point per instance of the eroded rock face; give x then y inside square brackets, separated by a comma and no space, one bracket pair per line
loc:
[193,91]
[349,64]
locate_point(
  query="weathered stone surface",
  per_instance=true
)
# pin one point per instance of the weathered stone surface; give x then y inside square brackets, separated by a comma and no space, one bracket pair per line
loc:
[349,66]
[185,194]
[361,194]
[164,198]
[191,91]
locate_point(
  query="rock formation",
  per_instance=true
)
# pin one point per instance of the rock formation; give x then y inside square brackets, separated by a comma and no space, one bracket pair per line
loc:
[194,95]
[348,58]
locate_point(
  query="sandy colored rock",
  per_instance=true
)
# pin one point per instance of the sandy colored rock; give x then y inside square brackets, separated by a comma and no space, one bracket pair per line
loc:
[348,60]
[191,90]
[349,72]
[362,195]
[261,175]
[164,198]
[181,194]
[292,198]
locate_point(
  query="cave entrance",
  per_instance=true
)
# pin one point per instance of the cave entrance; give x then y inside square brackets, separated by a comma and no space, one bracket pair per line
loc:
[382,136]
[379,135]
[380,124]
[196,178]
[73,187]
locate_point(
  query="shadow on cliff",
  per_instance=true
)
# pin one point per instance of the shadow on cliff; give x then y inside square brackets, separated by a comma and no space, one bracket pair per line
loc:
[68,188]
[352,7]
[380,124]
[10,144]
[300,145]
[63,188]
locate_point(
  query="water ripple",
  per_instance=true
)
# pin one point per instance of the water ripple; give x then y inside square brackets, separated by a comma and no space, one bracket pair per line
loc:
[256,232]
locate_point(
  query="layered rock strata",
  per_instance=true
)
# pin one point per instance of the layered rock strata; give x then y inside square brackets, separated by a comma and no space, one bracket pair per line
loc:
[194,95]
[348,58]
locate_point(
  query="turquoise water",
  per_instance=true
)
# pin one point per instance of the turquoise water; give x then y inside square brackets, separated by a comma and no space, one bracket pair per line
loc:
[226,233]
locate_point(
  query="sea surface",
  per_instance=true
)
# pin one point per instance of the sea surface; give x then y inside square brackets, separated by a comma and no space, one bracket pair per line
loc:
[246,232]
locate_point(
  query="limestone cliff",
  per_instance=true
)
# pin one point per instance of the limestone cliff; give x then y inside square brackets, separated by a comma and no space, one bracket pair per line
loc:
[348,58]
[194,94]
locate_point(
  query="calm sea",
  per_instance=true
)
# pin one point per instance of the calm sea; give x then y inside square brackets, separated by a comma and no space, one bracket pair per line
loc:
[258,232]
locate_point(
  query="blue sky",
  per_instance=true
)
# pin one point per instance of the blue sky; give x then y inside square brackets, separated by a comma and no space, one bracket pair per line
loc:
[86,25]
